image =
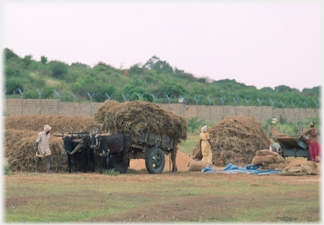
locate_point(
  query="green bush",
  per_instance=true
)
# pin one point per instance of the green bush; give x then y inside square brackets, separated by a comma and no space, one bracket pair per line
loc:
[102,89]
[66,96]
[11,72]
[282,120]
[100,69]
[58,69]
[135,69]
[171,89]
[27,60]
[157,77]
[43,59]
[133,91]
[48,93]
[9,54]
[79,65]
[194,125]
[13,84]
[31,94]
[112,172]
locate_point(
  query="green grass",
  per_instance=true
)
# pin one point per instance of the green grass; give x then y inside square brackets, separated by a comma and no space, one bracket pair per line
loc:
[112,172]
[187,145]
[6,170]
[196,197]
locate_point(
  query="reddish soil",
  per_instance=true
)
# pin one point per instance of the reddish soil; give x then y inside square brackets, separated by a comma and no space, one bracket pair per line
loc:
[182,161]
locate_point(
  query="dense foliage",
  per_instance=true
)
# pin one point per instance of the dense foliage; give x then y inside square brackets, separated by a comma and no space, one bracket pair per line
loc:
[155,78]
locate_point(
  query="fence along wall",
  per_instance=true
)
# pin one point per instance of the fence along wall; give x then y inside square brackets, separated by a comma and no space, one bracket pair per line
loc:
[17,107]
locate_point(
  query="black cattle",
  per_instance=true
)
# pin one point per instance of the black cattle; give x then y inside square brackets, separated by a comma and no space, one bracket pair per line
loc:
[85,150]
[113,144]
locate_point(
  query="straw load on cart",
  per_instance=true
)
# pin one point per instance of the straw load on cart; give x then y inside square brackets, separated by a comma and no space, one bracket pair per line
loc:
[154,132]
[130,118]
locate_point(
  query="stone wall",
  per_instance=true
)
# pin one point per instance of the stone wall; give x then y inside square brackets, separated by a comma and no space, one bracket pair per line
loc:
[16,107]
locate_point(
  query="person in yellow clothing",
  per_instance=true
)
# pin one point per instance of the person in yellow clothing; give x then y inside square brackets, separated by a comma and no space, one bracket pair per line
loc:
[43,147]
[205,146]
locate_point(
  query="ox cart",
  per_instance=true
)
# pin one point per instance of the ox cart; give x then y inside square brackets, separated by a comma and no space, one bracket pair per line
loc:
[148,146]
[292,146]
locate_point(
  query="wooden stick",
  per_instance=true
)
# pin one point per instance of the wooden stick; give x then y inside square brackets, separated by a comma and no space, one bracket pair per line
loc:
[104,135]
[60,135]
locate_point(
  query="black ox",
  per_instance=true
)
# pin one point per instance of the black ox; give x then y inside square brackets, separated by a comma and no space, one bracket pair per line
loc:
[112,144]
[83,147]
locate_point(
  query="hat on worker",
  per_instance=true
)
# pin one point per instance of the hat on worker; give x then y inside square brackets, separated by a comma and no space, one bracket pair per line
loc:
[47,128]
[204,129]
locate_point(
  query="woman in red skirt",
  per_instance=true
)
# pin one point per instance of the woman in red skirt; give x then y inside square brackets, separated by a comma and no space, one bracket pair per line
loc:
[314,147]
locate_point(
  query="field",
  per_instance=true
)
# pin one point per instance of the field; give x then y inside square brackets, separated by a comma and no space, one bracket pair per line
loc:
[168,197]
[137,196]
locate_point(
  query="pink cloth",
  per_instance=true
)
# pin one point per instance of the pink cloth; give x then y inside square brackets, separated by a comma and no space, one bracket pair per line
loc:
[47,128]
[314,149]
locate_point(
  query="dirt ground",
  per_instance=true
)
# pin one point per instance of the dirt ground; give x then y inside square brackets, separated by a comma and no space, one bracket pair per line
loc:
[143,176]
[141,197]
[182,161]
[138,196]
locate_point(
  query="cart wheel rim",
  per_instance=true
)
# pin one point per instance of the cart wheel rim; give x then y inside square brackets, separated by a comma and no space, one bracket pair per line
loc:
[156,160]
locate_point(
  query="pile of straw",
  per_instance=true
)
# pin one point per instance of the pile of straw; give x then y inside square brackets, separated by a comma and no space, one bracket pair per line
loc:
[99,115]
[36,123]
[131,117]
[21,157]
[237,138]
[20,141]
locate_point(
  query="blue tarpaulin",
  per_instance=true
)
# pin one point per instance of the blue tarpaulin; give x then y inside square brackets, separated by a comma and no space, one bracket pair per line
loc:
[251,169]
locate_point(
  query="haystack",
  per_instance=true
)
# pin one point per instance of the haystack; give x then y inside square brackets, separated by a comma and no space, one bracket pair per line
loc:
[131,117]
[20,141]
[99,115]
[21,154]
[36,123]
[13,135]
[237,138]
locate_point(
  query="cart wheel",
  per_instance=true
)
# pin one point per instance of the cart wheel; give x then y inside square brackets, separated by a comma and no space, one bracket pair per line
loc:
[155,161]
[116,162]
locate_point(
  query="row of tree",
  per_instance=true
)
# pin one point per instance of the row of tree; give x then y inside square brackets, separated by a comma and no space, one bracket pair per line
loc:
[154,78]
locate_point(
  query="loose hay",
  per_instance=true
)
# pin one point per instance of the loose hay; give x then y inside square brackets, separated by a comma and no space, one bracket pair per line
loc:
[36,123]
[22,157]
[13,135]
[99,115]
[237,138]
[131,117]
[20,141]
